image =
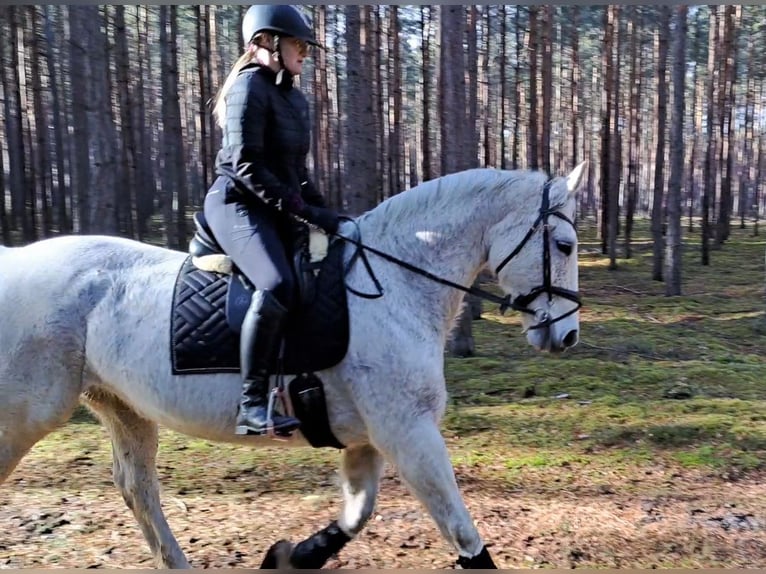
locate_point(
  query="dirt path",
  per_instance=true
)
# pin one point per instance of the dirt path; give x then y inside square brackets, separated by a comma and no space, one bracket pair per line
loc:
[73,517]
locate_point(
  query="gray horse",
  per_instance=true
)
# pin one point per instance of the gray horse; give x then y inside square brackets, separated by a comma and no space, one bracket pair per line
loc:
[86,318]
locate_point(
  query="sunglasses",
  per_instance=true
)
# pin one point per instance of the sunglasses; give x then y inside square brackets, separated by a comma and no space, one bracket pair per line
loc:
[300,45]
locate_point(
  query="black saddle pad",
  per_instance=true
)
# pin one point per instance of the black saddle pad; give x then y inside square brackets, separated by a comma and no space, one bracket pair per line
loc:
[202,340]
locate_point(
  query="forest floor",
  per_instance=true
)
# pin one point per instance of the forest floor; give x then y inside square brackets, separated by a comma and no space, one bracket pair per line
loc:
[643,447]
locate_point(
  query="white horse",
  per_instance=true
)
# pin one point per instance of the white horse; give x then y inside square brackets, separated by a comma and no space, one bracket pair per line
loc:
[86,318]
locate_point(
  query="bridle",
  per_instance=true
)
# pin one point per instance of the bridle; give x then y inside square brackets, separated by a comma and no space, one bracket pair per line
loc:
[519,303]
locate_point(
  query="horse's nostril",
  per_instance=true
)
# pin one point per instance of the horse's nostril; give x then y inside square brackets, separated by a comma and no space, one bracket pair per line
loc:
[571,339]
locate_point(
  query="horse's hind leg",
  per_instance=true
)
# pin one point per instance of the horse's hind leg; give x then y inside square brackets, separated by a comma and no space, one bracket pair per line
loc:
[361,467]
[419,452]
[134,451]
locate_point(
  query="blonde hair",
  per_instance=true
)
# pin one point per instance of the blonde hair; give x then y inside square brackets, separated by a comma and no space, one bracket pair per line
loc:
[219,109]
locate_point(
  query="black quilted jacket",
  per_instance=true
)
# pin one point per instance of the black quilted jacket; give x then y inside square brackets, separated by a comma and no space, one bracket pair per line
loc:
[266,138]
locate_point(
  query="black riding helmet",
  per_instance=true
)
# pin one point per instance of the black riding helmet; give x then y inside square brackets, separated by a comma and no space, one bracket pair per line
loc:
[280,19]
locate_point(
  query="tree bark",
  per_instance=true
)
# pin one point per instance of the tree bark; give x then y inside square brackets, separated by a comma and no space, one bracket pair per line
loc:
[361,187]
[726,107]
[425,40]
[607,96]
[43,175]
[634,128]
[173,173]
[128,166]
[574,78]
[14,129]
[59,189]
[673,247]
[395,145]
[102,137]
[661,102]
[203,57]
[454,123]
[710,156]
[533,129]
[547,87]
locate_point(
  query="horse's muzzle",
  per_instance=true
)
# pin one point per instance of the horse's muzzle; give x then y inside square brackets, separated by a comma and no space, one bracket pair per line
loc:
[549,340]
[570,339]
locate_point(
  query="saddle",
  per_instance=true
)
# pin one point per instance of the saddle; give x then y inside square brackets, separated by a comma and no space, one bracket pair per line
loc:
[208,255]
[211,298]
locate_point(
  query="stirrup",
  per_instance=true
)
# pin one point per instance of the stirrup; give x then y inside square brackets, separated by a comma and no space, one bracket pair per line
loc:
[270,432]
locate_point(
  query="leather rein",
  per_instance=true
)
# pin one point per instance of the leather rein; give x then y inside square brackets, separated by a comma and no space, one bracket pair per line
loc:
[520,303]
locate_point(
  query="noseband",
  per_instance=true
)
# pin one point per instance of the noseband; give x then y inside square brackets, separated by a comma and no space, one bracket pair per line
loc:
[520,303]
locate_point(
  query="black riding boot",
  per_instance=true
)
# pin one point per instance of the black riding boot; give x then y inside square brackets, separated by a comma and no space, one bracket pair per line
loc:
[261,333]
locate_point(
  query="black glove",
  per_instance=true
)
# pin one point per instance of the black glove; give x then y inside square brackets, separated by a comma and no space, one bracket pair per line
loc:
[323,217]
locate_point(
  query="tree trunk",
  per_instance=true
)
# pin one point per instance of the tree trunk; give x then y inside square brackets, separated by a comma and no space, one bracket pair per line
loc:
[710,156]
[471,147]
[211,78]
[547,87]
[696,135]
[504,92]
[533,129]
[454,122]
[726,106]
[575,76]
[4,223]
[425,39]
[673,248]
[634,128]
[486,95]
[395,146]
[203,57]
[42,157]
[615,141]
[5,231]
[373,59]
[606,132]
[102,137]
[173,173]
[147,186]
[461,342]
[361,187]
[59,190]
[661,102]
[129,169]
[749,138]
[322,104]
[518,96]
[14,129]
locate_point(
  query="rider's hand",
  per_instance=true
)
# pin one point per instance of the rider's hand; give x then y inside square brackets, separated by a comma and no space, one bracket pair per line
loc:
[323,217]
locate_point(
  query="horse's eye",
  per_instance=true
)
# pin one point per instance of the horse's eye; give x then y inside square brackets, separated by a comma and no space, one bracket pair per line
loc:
[565,247]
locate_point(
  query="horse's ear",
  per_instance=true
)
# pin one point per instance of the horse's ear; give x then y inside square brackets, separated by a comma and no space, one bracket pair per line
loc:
[574,178]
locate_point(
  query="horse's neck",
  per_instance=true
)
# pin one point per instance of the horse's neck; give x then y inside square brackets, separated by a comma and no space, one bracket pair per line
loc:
[448,245]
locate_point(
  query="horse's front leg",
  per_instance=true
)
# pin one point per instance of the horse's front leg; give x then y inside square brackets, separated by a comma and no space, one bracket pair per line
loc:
[420,454]
[361,467]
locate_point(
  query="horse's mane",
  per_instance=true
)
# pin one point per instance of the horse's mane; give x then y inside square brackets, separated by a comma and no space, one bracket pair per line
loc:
[457,191]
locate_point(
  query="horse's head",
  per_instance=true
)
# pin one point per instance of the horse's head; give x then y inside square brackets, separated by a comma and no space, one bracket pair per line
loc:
[533,251]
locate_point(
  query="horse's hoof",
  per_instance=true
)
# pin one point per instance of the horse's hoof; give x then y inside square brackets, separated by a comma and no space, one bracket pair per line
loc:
[278,556]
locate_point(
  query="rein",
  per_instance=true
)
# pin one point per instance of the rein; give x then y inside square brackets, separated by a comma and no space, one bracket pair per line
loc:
[520,303]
